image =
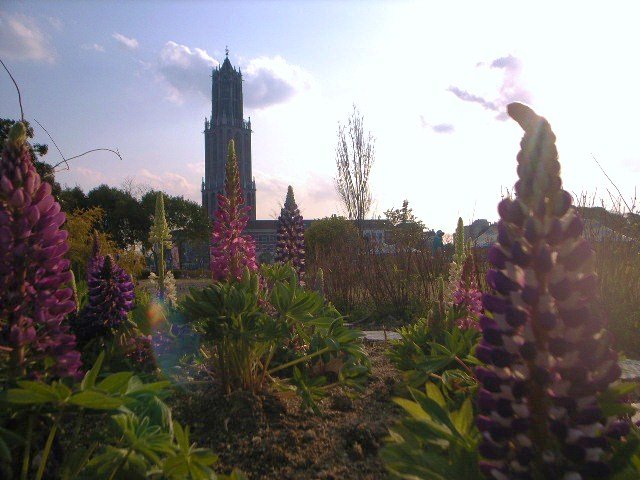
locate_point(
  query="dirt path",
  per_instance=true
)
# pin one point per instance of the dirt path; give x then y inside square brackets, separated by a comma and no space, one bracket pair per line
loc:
[270,438]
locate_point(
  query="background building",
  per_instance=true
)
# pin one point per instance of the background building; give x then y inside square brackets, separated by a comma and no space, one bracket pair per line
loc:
[226,123]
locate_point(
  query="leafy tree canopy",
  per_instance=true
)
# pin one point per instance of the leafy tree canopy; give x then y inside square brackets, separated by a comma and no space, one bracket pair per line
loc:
[330,233]
[406,228]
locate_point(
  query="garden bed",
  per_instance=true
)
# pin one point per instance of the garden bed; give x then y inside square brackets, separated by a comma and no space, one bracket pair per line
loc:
[270,436]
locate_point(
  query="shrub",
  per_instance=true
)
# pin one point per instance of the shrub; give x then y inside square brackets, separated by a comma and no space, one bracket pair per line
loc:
[144,439]
[260,326]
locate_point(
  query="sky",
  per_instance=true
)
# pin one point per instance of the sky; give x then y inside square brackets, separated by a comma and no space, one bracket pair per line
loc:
[432,80]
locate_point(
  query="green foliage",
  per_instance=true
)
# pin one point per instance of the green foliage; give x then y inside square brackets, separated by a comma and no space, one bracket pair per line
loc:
[268,327]
[459,244]
[424,354]
[124,220]
[329,233]
[82,225]
[434,441]
[127,220]
[144,443]
[181,214]
[160,238]
[406,229]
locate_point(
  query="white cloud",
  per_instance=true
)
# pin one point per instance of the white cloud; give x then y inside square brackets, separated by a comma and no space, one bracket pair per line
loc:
[92,46]
[196,167]
[22,39]
[185,70]
[511,89]
[268,80]
[126,42]
[169,182]
[438,127]
[271,80]
[91,175]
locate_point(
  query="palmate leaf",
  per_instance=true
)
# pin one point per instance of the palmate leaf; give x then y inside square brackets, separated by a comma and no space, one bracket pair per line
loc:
[116,383]
[95,400]
[433,443]
[90,377]
[189,461]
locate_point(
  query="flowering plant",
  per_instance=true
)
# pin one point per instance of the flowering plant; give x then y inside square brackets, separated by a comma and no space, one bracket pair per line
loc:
[34,296]
[231,251]
[290,237]
[548,356]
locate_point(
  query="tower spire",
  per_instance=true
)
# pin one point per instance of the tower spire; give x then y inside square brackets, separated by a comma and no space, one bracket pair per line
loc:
[226,51]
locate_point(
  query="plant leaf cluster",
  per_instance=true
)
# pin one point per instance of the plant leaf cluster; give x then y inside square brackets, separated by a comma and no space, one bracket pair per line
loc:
[268,328]
[144,441]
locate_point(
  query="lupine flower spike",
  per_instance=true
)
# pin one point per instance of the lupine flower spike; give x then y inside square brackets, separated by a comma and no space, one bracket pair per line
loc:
[467,299]
[160,238]
[34,297]
[111,297]
[456,266]
[290,239]
[231,251]
[547,354]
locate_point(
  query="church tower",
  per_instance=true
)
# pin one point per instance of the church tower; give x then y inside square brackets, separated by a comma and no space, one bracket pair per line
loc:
[226,123]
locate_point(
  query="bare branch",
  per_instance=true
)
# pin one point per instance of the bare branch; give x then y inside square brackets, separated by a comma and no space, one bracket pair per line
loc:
[354,158]
[54,143]
[66,160]
[115,152]
[17,88]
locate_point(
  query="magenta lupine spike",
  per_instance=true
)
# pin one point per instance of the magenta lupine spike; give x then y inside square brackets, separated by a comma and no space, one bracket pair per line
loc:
[34,298]
[231,251]
[467,298]
[547,353]
[111,298]
[290,238]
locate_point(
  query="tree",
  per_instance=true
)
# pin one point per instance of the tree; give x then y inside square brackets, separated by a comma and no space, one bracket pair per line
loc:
[354,159]
[185,215]
[327,233]
[82,225]
[124,219]
[406,229]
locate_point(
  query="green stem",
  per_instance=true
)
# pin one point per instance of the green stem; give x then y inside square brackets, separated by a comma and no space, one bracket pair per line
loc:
[300,360]
[265,368]
[27,450]
[47,449]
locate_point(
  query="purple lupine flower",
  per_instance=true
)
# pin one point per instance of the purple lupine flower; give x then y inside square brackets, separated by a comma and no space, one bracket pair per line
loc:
[111,297]
[231,251]
[140,352]
[290,239]
[547,354]
[34,299]
[467,299]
